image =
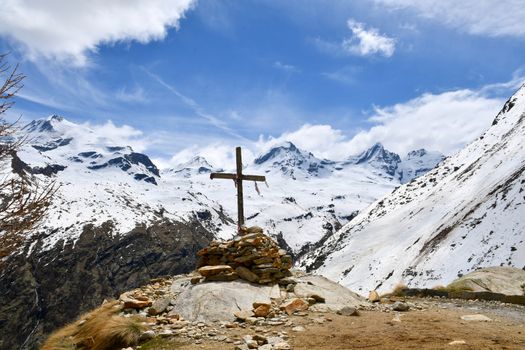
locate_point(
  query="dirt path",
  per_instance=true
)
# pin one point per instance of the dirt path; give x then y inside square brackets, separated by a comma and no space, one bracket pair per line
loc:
[436,324]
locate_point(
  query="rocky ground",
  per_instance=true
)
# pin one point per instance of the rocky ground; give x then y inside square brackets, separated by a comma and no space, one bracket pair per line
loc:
[395,322]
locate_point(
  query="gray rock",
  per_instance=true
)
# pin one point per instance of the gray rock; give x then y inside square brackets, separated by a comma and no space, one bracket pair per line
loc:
[348,311]
[147,335]
[282,346]
[159,306]
[243,314]
[218,301]
[335,295]
[504,280]
[400,306]
[274,340]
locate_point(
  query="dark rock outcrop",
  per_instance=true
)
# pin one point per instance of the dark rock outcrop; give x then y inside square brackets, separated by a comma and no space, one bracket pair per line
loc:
[43,290]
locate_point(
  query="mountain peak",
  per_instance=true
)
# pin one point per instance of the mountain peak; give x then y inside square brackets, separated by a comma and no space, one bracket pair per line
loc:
[377,151]
[49,124]
[196,165]
[379,157]
[279,151]
[417,153]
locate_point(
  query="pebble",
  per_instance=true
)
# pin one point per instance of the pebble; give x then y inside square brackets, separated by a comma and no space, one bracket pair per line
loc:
[476,317]
[298,329]
[348,311]
[457,342]
[147,335]
[282,346]
[400,306]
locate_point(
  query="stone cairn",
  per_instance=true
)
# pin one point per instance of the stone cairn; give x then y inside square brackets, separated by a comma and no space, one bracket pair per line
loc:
[253,257]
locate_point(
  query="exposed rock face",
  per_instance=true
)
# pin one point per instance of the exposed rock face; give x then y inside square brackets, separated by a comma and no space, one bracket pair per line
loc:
[40,291]
[218,301]
[223,301]
[504,280]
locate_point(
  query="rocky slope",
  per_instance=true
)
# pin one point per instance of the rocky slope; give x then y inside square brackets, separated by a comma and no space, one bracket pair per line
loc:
[43,289]
[464,214]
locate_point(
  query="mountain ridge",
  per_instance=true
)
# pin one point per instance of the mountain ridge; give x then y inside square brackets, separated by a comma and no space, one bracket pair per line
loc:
[465,213]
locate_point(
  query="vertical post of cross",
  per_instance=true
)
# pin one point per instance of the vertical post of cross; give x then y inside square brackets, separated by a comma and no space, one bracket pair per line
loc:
[240,204]
[238,177]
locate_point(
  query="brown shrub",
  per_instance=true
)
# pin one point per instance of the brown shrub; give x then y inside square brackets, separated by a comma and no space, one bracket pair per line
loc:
[100,329]
[396,291]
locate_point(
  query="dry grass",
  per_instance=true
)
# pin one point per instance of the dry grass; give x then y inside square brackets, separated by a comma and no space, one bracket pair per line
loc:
[396,291]
[100,329]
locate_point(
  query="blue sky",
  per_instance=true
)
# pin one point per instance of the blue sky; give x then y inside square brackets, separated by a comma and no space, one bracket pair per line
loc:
[178,77]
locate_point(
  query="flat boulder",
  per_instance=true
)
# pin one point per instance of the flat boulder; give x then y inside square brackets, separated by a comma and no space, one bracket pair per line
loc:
[503,280]
[330,295]
[208,271]
[218,301]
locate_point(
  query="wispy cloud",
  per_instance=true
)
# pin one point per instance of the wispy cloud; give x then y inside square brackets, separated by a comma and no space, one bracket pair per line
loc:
[490,18]
[197,109]
[134,95]
[68,30]
[346,75]
[288,68]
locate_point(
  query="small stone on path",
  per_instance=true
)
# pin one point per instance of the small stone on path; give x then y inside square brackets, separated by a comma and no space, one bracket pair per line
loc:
[476,317]
[457,342]
[400,306]
[348,311]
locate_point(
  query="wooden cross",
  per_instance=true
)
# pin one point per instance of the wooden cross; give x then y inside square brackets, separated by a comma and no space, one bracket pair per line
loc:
[238,178]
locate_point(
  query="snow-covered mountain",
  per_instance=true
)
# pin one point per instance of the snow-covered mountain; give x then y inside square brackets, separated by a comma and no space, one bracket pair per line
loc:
[195,166]
[378,157]
[417,163]
[288,160]
[307,198]
[468,212]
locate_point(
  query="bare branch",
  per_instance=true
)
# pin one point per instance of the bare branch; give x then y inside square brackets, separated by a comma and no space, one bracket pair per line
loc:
[23,200]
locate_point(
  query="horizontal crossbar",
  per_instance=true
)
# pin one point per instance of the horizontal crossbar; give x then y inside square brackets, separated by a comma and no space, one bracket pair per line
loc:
[234,177]
[222,176]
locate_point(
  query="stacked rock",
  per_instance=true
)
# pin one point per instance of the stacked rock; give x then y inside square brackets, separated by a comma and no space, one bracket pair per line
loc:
[253,257]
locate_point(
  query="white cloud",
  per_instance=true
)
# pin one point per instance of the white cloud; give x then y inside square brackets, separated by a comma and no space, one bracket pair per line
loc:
[443,122]
[218,154]
[322,140]
[118,135]
[68,29]
[363,42]
[367,42]
[484,17]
